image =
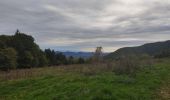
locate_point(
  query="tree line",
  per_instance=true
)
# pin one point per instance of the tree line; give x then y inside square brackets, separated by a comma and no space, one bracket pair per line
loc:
[21,51]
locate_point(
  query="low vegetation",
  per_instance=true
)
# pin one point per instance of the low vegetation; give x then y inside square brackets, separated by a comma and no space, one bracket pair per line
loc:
[84,82]
[131,64]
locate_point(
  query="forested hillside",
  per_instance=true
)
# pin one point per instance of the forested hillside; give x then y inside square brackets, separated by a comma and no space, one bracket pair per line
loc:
[20,51]
[157,49]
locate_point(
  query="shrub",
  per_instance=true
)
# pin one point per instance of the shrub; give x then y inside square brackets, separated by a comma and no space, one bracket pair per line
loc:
[127,65]
[132,63]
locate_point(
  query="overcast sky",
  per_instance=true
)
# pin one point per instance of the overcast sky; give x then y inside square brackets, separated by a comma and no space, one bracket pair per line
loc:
[81,25]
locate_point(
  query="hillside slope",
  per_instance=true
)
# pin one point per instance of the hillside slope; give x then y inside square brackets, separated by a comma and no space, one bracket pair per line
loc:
[151,49]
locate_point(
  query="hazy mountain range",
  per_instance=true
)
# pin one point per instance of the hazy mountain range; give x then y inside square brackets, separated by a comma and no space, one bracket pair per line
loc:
[80,54]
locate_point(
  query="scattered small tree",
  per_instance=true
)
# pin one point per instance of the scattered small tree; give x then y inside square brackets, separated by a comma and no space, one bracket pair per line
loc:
[81,61]
[98,55]
[71,60]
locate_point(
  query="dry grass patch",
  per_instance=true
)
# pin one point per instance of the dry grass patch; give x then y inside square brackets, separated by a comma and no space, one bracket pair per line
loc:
[85,69]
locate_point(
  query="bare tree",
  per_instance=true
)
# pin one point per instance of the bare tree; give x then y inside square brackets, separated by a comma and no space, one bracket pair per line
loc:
[98,55]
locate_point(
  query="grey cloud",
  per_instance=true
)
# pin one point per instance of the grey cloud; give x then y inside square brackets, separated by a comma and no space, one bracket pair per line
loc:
[109,23]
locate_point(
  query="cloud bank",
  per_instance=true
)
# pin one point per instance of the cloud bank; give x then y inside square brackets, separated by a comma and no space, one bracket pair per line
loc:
[81,25]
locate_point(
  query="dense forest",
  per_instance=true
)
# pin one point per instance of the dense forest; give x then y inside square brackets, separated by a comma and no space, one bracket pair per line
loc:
[21,51]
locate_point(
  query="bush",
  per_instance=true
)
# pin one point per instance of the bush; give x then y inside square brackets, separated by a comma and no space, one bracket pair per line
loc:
[126,65]
[132,63]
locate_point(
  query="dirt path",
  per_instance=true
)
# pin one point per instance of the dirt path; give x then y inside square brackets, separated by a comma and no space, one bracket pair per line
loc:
[164,92]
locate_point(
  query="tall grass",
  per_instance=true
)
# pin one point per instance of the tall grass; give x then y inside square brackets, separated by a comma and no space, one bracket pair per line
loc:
[131,64]
[85,69]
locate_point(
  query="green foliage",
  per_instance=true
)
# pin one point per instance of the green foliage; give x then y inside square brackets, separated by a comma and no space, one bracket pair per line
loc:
[50,54]
[81,61]
[55,58]
[163,54]
[71,60]
[26,60]
[61,59]
[8,57]
[28,52]
[43,61]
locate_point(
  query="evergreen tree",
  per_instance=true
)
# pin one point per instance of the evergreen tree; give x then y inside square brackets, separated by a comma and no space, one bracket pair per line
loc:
[81,61]
[71,60]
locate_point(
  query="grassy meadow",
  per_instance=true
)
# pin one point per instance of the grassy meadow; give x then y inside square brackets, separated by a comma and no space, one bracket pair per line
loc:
[86,82]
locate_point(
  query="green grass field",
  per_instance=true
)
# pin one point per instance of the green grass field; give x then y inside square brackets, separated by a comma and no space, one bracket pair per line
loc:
[67,84]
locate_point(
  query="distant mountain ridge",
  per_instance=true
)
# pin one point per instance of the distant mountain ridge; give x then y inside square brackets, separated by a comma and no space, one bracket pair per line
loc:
[151,49]
[78,54]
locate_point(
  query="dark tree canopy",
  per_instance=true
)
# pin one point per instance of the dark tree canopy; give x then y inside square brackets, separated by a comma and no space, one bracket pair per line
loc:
[8,58]
[55,58]
[20,51]
[27,51]
[81,61]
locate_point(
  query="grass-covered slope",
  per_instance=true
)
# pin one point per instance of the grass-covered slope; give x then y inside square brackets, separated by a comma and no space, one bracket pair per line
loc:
[152,49]
[84,84]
